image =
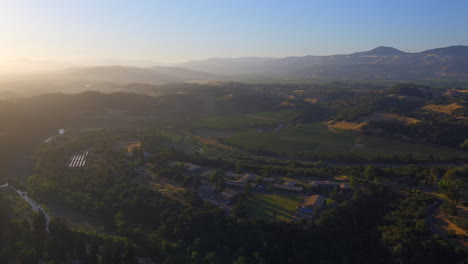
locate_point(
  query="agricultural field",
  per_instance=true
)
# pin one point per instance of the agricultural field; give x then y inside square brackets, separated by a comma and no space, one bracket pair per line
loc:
[262,206]
[250,120]
[318,139]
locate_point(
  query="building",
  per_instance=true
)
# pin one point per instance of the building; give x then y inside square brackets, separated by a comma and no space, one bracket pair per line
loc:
[288,186]
[314,202]
[329,184]
[310,207]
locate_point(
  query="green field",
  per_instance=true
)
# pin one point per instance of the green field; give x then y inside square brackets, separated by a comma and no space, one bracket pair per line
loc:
[317,139]
[250,120]
[262,206]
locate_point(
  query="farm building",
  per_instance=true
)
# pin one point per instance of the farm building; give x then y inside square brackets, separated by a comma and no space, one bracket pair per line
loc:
[288,186]
[310,207]
[314,202]
[329,184]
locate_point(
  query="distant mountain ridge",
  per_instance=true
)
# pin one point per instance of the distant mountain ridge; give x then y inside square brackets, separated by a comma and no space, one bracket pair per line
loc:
[379,63]
[121,74]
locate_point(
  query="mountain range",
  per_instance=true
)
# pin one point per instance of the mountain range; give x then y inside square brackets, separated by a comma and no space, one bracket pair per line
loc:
[379,63]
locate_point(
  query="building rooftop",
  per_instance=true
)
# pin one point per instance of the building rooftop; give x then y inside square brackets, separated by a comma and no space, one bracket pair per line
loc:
[317,201]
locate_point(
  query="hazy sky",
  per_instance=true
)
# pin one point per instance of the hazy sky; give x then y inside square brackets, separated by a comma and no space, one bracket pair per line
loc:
[176,30]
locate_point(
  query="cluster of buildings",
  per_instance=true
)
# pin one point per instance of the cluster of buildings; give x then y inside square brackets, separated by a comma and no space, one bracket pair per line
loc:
[313,205]
[309,207]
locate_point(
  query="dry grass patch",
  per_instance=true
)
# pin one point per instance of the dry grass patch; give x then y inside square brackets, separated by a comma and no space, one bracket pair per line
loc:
[214,143]
[383,116]
[342,178]
[168,190]
[128,145]
[311,100]
[345,125]
[377,116]
[444,109]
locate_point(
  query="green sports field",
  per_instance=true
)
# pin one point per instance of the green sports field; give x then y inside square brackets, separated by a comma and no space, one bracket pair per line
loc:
[262,206]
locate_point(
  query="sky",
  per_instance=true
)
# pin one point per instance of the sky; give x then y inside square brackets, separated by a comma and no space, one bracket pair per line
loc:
[173,31]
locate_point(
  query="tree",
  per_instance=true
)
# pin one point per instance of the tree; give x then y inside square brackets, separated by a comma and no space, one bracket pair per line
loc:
[450,174]
[214,176]
[431,157]
[210,258]
[130,257]
[248,187]
[220,185]
[109,252]
[449,208]
[352,181]
[119,222]
[464,145]
[240,209]
[267,171]
[430,176]
[238,167]
[240,260]
[269,187]
[141,157]
[370,172]
[336,195]
[196,182]
[39,227]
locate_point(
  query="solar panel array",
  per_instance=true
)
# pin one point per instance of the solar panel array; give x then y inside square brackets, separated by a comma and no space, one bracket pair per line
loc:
[79,160]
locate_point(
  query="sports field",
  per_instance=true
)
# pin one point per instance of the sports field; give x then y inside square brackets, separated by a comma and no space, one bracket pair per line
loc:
[262,206]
